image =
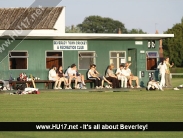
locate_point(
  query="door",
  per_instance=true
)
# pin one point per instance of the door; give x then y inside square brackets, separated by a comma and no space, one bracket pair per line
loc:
[132,58]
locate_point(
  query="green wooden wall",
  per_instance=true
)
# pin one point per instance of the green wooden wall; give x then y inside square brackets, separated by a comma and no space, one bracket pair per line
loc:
[36,60]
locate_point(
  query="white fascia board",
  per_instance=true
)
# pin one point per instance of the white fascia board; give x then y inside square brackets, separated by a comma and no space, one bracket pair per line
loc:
[58,33]
[55,34]
[120,35]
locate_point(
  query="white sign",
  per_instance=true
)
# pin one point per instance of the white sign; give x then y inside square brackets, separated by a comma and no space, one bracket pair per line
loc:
[142,51]
[139,42]
[123,60]
[129,58]
[70,45]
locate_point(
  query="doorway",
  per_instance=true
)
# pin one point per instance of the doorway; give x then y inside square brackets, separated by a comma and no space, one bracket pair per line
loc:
[132,58]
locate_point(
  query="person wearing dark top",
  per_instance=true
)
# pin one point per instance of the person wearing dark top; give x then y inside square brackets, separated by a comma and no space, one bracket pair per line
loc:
[61,75]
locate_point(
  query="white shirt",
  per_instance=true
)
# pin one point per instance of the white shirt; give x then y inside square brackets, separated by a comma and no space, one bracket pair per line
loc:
[90,72]
[127,72]
[52,74]
[120,71]
[70,71]
[162,68]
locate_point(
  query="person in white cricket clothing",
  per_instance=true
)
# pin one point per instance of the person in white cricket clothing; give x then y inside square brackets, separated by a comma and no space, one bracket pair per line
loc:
[162,70]
[121,76]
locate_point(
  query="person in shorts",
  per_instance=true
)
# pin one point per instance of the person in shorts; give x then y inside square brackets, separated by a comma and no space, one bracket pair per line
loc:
[53,76]
[62,77]
[71,75]
[102,78]
[130,76]
[81,80]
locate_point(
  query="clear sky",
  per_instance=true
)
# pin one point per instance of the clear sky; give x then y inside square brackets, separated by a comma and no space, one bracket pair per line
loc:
[147,15]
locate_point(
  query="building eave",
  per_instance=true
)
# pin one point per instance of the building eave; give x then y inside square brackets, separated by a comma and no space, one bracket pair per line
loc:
[54,34]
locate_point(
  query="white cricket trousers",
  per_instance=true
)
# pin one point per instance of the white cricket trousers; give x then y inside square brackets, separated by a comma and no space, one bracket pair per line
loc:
[162,82]
[123,81]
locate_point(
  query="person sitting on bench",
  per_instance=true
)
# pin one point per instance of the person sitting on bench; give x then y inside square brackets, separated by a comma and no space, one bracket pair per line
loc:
[121,76]
[110,76]
[93,76]
[81,78]
[53,76]
[102,78]
[71,75]
[62,77]
[130,76]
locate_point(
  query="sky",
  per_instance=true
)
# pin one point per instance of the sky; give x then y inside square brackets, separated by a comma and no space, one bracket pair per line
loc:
[148,15]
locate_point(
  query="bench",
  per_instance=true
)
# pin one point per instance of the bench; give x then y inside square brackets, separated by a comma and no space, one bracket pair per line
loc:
[48,83]
[29,83]
[86,81]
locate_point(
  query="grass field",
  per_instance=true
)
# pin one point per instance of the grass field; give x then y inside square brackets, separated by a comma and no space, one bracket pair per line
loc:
[57,106]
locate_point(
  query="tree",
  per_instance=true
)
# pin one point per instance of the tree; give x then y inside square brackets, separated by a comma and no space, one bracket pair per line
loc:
[72,29]
[136,31]
[98,24]
[173,47]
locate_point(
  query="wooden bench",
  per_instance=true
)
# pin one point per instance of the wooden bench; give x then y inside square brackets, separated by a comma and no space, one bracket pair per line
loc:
[86,81]
[29,83]
[48,83]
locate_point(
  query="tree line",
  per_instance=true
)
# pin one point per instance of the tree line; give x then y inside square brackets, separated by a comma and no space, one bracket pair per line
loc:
[98,24]
[173,47]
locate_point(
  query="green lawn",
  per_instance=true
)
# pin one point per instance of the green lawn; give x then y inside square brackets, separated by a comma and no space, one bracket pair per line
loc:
[58,106]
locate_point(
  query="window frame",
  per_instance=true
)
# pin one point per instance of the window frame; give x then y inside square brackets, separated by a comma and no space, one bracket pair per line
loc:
[18,57]
[95,55]
[117,57]
[54,56]
[156,57]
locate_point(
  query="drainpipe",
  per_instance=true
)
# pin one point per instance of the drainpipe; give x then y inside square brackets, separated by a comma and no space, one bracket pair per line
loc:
[160,47]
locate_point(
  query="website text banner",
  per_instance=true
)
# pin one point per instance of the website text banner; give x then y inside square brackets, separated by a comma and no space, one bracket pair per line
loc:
[91,126]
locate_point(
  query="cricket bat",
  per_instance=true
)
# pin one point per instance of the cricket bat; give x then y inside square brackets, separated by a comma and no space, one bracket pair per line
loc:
[33,83]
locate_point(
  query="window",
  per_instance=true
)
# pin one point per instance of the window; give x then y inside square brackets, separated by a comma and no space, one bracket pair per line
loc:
[53,58]
[152,58]
[151,44]
[86,59]
[18,59]
[117,58]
